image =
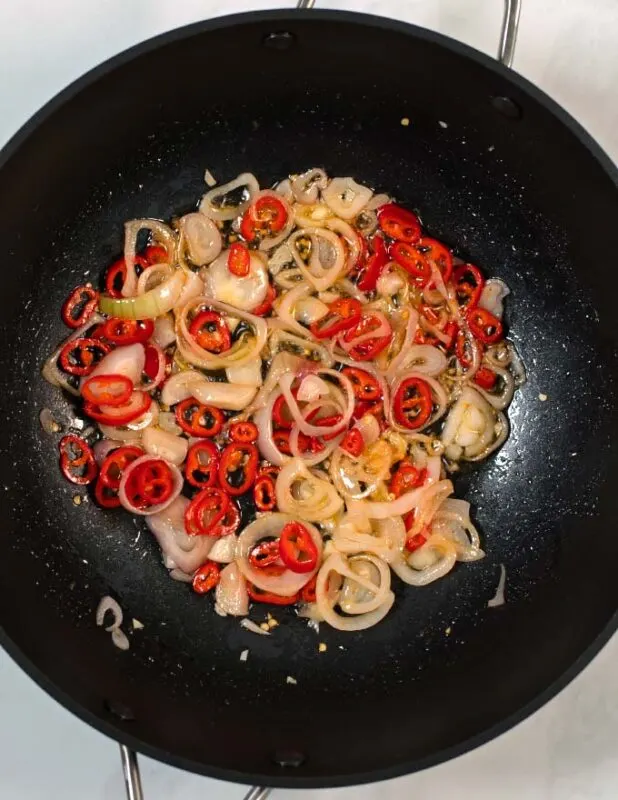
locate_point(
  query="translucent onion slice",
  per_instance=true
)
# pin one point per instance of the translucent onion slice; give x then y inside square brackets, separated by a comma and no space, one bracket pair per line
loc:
[269,242]
[164,334]
[224,550]
[502,398]
[152,304]
[128,361]
[199,238]
[351,239]
[231,593]
[316,272]
[326,602]
[242,351]
[436,568]
[385,541]
[422,358]
[356,598]
[162,234]
[241,292]
[414,499]
[213,203]
[271,525]
[346,197]
[51,372]
[249,374]
[492,296]
[179,387]
[308,428]
[306,187]
[122,489]
[286,307]
[311,350]
[157,442]
[153,277]
[312,216]
[301,493]
[228,396]
[180,551]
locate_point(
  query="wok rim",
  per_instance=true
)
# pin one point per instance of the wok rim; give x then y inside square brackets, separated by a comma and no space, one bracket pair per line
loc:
[120,731]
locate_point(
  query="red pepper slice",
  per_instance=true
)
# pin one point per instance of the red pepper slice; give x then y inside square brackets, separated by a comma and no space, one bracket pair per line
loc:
[307,593]
[414,542]
[127,331]
[435,251]
[197,419]
[363,407]
[374,266]
[484,326]
[485,378]
[239,260]
[202,464]
[342,315]
[413,261]
[265,217]
[282,416]
[206,511]
[77,460]
[244,432]
[206,577]
[353,442]
[269,469]
[267,303]
[264,554]
[154,254]
[152,482]
[211,332]
[238,467]
[80,356]
[79,306]
[366,386]
[413,403]
[260,596]
[230,522]
[115,277]
[264,495]
[399,223]
[406,477]
[137,404]
[469,283]
[297,549]
[450,329]
[105,496]
[115,464]
[369,348]
[112,390]
[306,444]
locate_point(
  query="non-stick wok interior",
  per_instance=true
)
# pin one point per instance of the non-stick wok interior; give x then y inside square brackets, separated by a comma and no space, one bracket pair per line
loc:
[521,196]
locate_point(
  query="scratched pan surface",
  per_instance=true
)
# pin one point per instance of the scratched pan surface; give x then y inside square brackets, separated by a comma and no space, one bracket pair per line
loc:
[524,194]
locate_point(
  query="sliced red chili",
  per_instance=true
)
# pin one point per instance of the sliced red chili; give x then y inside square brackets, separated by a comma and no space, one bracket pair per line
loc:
[260,596]
[267,303]
[269,469]
[485,378]
[405,478]
[264,495]
[368,349]
[399,223]
[366,386]
[115,277]
[115,464]
[80,356]
[265,217]
[239,260]
[211,332]
[77,460]
[230,522]
[238,467]
[343,314]
[79,306]
[450,329]
[297,549]
[435,251]
[307,593]
[413,403]
[105,496]
[374,266]
[414,542]
[413,261]
[127,331]
[244,432]
[154,254]
[469,283]
[202,464]
[376,410]
[205,511]
[281,438]
[112,390]
[484,325]
[206,577]
[282,416]
[264,554]
[150,483]
[137,404]
[197,419]
[353,442]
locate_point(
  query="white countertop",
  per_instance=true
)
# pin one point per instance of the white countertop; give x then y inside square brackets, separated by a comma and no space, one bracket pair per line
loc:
[566,751]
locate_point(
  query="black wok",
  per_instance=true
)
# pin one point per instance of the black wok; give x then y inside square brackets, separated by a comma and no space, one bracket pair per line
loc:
[513,184]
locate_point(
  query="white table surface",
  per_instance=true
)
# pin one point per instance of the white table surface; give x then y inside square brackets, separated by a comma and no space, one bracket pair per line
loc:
[566,751]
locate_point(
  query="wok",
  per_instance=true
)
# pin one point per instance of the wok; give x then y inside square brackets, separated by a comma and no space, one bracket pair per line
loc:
[499,172]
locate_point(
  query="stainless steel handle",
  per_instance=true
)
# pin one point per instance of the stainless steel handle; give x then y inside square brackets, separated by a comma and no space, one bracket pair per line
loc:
[130,769]
[508,36]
